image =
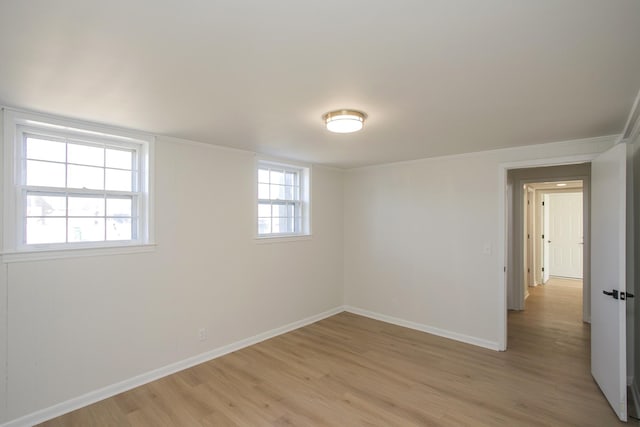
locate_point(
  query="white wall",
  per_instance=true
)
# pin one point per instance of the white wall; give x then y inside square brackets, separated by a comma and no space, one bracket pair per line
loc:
[415,234]
[634,307]
[3,343]
[631,265]
[76,325]
[3,312]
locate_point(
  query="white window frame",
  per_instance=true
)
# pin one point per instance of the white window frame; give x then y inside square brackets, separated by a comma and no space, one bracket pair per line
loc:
[17,124]
[303,203]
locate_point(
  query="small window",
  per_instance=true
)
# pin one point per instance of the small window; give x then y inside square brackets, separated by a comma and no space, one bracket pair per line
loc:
[283,200]
[74,187]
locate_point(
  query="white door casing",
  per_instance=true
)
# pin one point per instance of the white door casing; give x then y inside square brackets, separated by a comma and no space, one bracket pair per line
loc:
[505,186]
[565,235]
[608,274]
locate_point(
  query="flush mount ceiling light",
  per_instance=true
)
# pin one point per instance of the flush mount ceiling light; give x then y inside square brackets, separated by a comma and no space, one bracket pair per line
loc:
[561,184]
[344,121]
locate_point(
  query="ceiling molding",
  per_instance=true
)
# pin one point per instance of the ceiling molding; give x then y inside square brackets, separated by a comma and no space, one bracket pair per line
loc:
[632,128]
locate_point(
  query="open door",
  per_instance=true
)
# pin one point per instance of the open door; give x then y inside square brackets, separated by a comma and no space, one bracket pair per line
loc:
[608,277]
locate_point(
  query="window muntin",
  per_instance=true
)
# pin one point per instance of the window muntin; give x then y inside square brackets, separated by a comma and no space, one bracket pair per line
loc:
[282,208]
[74,187]
[78,191]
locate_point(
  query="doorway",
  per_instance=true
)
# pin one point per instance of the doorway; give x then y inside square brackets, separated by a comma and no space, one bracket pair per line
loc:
[612,262]
[529,247]
[554,231]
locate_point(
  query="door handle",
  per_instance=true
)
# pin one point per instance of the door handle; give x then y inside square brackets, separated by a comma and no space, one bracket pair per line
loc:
[613,293]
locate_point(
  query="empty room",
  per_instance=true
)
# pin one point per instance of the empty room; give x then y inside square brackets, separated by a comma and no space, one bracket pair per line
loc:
[269,213]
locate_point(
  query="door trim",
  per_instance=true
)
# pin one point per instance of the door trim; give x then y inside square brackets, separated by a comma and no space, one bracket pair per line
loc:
[503,169]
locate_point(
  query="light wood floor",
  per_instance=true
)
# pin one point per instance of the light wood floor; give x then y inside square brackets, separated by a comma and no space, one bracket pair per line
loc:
[352,371]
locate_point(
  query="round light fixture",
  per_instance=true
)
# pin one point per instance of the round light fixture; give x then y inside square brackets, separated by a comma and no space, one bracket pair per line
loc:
[344,121]
[561,184]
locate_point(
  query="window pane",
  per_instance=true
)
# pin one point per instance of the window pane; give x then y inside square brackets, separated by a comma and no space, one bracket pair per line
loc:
[263,191]
[264,225]
[280,211]
[119,207]
[86,206]
[277,177]
[121,159]
[45,230]
[119,229]
[290,193]
[289,225]
[85,155]
[263,175]
[38,205]
[264,210]
[44,149]
[86,229]
[85,177]
[118,180]
[280,225]
[277,192]
[45,174]
[290,178]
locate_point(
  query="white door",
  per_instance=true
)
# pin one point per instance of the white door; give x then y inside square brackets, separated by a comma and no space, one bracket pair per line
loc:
[565,234]
[529,239]
[545,238]
[608,314]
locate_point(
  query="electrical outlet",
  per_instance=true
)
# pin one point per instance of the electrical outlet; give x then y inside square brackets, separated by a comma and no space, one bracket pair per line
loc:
[202,334]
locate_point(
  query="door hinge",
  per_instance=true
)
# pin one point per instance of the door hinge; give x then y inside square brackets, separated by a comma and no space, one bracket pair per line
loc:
[543,269]
[528,270]
[528,236]
[543,236]
[505,269]
[542,203]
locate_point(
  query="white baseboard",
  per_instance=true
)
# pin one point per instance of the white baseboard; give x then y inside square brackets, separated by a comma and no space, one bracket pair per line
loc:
[424,328]
[113,389]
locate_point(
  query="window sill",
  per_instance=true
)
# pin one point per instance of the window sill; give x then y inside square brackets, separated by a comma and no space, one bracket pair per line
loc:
[25,256]
[282,239]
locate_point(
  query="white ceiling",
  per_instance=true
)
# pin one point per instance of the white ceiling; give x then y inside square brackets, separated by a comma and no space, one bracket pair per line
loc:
[435,76]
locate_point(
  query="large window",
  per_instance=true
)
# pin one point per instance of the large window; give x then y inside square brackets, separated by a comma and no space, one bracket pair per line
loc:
[72,186]
[283,200]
